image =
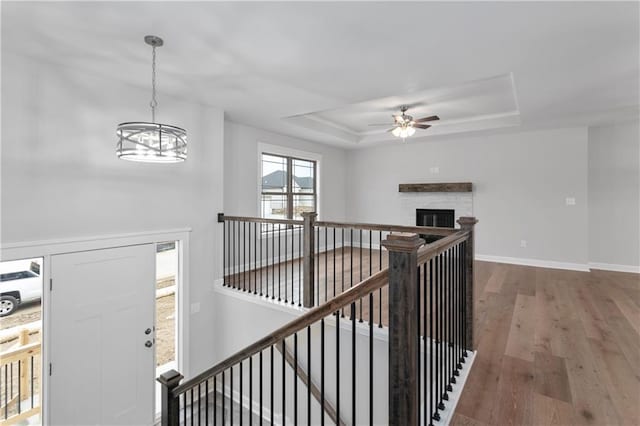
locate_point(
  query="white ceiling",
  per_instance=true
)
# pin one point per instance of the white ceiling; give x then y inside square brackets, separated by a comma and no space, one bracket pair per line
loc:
[567,63]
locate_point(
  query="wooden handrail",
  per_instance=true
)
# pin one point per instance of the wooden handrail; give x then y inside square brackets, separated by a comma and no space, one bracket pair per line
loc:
[356,292]
[13,355]
[428,251]
[263,220]
[426,230]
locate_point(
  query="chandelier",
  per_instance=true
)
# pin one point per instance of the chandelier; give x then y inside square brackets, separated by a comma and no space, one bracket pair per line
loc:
[151,142]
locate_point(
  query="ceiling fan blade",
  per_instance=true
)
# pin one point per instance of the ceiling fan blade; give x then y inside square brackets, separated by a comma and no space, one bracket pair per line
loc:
[421,126]
[380,124]
[391,130]
[425,119]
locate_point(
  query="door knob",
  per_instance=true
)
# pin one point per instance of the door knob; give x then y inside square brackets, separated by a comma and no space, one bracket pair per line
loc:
[147,331]
[148,343]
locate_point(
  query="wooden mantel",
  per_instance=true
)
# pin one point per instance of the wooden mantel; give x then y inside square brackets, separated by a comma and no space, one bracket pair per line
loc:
[436,187]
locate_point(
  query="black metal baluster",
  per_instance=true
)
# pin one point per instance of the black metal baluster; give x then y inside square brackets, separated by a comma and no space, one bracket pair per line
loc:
[260,390]
[353,361]
[271,384]
[360,319]
[321,371]
[199,404]
[286,260]
[31,382]
[256,239]
[240,243]
[370,344]
[309,374]
[300,259]
[215,400]
[443,376]
[427,337]
[241,366]
[284,383]
[19,399]
[260,239]
[249,265]
[342,262]
[317,280]
[273,262]
[250,390]
[338,363]
[326,260]
[295,379]
[233,255]
[279,265]
[206,402]
[452,379]
[191,406]
[380,289]
[418,375]
[223,401]
[293,281]
[438,284]
[224,253]
[334,262]
[432,384]
[244,256]
[231,395]
[184,408]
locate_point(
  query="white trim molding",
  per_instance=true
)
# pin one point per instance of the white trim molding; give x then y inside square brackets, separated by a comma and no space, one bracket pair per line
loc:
[539,263]
[614,267]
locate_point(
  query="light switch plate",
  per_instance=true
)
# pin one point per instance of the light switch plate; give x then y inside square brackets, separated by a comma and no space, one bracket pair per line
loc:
[570,201]
[195,308]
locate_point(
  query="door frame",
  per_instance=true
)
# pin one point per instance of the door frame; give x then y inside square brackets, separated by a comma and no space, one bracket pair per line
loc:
[47,248]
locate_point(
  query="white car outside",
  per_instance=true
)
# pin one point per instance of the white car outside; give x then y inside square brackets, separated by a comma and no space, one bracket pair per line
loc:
[20,282]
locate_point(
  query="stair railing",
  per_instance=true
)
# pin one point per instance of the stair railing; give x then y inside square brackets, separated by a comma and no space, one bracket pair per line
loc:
[430,315]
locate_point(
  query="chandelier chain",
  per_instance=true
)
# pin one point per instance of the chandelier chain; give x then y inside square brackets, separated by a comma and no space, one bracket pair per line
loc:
[154,101]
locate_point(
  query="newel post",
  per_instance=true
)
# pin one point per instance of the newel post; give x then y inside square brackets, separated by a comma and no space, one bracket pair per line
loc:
[308,262]
[170,404]
[404,407]
[468,224]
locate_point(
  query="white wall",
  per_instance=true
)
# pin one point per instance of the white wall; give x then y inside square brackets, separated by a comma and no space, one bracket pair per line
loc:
[520,183]
[241,171]
[61,178]
[614,196]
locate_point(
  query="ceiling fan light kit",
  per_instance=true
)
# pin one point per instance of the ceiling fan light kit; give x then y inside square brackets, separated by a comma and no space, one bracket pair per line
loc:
[151,142]
[404,125]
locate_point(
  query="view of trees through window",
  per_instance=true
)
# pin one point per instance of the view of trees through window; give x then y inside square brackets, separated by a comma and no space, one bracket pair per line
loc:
[288,187]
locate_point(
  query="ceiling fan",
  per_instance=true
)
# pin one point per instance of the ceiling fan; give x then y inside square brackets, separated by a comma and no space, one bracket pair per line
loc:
[405,125]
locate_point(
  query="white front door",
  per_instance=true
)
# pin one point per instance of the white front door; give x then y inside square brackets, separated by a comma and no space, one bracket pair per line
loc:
[102,359]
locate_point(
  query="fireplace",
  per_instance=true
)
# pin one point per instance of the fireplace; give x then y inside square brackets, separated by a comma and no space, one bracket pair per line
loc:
[443,218]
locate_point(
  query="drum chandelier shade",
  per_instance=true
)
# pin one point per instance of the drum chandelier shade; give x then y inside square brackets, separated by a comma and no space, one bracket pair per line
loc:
[151,142]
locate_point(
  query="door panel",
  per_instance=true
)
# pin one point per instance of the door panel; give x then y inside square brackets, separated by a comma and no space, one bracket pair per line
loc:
[102,302]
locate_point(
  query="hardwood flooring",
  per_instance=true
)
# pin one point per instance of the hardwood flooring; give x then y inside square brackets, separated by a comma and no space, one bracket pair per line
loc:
[555,347]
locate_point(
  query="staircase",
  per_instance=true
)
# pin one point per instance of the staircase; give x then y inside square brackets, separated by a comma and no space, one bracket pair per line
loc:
[387,337]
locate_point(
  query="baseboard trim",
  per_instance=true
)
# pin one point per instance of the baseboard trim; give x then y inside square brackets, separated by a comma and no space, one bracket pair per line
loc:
[614,267]
[551,264]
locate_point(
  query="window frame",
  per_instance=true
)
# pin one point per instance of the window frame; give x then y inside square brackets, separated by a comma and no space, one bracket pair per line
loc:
[293,154]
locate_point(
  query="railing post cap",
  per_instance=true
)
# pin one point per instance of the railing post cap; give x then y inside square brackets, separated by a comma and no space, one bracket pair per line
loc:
[403,242]
[467,221]
[170,378]
[309,214]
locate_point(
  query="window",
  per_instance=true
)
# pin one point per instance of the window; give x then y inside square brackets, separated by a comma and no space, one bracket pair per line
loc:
[288,187]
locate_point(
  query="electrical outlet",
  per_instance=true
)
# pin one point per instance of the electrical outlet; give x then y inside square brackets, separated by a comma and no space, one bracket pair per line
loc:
[570,201]
[523,243]
[434,170]
[195,308]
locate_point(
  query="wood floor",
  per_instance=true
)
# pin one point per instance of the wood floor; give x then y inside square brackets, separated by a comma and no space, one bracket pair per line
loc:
[554,347]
